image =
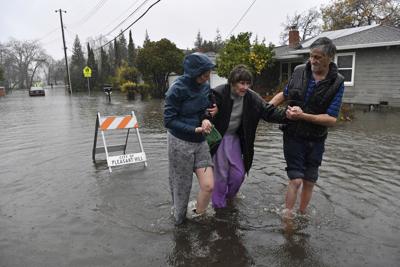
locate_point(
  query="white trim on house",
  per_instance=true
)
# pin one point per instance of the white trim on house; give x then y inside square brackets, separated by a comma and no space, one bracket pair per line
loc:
[287,57]
[347,47]
[353,67]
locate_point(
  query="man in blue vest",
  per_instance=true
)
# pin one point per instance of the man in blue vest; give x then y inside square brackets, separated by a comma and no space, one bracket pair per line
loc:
[314,94]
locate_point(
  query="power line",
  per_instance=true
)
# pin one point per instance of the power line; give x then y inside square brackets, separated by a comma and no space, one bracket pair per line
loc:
[81,21]
[120,15]
[144,2]
[130,25]
[74,34]
[51,41]
[91,13]
[70,38]
[94,11]
[47,34]
[244,14]
[127,9]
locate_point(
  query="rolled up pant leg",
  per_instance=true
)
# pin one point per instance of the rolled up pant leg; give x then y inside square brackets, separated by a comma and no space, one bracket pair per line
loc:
[181,160]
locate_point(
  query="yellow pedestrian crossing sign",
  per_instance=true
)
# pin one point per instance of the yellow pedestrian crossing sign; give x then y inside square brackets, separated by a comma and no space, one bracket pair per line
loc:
[87,72]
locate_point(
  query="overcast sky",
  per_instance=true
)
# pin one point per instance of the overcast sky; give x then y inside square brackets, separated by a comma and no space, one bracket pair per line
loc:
[177,20]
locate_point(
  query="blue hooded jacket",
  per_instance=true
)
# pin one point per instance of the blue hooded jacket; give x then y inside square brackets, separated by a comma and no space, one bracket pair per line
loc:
[186,101]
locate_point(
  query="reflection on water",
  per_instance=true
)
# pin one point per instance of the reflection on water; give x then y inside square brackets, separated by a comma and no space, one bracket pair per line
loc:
[57,208]
[213,241]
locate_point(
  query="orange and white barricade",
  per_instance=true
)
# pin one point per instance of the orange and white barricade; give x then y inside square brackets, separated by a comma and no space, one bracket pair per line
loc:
[110,123]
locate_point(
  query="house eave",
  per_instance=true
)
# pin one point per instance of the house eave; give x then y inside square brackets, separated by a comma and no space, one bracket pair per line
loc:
[287,57]
[349,47]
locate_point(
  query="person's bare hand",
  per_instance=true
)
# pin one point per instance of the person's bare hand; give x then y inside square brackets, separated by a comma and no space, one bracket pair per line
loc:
[198,130]
[207,126]
[294,113]
[213,111]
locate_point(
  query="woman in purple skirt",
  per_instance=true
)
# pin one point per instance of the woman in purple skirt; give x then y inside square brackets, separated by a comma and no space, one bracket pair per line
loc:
[239,111]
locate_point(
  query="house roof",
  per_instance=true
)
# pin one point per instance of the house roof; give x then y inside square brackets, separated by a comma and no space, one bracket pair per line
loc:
[352,38]
[336,35]
[284,52]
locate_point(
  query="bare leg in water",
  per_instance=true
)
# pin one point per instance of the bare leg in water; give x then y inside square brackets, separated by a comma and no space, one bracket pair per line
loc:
[206,182]
[291,196]
[305,196]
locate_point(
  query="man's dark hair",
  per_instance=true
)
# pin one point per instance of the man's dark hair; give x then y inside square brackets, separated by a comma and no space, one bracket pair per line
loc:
[240,73]
[326,45]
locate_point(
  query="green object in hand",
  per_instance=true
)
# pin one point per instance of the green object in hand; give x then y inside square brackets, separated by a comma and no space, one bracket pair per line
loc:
[213,138]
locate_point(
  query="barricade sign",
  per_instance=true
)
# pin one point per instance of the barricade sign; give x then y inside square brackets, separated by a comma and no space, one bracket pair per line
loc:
[109,123]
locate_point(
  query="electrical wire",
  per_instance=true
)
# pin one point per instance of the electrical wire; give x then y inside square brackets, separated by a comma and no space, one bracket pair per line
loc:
[116,27]
[70,32]
[90,14]
[47,34]
[241,18]
[132,13]
[120,15]
[69,40]
[51,41]
[129,25]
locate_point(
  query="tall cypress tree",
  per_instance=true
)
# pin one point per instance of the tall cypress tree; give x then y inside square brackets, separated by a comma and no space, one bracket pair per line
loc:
[105,67]
[146,38]
[218,42]
[117,55]
[111,58]
[91,62]
[77,64]
[198,43]
[123,49]
[131,51]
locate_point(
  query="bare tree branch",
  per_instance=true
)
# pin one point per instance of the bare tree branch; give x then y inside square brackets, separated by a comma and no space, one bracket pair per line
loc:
[308,23]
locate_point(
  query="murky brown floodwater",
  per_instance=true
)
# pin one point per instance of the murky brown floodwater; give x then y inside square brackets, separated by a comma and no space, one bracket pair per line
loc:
[57,208]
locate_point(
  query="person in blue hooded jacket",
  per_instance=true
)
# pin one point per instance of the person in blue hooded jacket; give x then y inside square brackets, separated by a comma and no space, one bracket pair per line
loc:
[187,104]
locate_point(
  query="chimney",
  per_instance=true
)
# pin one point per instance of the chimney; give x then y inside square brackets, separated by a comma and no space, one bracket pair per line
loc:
[294,37]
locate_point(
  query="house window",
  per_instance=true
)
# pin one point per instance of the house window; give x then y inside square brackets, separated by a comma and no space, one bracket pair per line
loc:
[346,64]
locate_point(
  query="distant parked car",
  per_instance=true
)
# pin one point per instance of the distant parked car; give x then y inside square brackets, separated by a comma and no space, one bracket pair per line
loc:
[36,91]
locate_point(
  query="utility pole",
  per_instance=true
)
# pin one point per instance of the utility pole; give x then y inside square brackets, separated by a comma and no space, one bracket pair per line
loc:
[65,49]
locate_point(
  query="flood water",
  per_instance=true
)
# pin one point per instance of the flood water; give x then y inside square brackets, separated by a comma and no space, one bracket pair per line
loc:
[58,208]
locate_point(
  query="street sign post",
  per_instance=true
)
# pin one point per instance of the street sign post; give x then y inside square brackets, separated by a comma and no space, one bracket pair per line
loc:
[87,73]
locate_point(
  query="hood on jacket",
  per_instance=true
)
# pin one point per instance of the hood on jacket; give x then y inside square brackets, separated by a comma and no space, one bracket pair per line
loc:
[196,64]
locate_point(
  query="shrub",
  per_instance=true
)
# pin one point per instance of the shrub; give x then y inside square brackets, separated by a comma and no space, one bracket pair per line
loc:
[128,86]
[144,90]
[130,89]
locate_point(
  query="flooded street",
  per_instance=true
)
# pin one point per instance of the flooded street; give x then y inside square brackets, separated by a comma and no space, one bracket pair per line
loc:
[58,208]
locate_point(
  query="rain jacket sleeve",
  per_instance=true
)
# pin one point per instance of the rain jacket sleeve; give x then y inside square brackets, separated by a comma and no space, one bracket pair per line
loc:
[212,100]
[173,103]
